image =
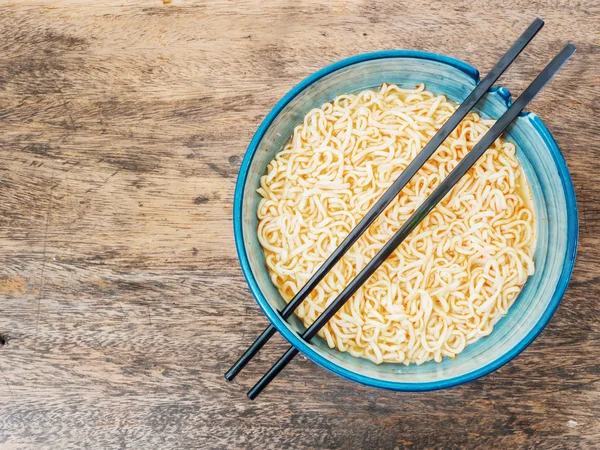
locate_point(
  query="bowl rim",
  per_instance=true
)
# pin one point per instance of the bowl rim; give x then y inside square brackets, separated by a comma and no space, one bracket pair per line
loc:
[307,349]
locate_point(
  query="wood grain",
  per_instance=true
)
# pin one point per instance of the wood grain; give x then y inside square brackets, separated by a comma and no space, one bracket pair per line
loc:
[122,127]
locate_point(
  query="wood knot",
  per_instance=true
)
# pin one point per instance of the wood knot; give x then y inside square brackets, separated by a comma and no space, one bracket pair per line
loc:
[235,160]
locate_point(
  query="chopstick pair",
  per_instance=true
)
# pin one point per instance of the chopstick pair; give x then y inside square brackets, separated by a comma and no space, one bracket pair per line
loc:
[436,196]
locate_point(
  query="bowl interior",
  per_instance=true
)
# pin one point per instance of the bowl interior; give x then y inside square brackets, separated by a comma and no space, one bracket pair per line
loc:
[556,218]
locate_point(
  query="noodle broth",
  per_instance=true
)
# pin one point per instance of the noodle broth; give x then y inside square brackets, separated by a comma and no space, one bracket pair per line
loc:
[452,279]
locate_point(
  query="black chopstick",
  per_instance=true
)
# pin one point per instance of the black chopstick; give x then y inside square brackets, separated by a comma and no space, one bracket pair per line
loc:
[436,196]
[391,193]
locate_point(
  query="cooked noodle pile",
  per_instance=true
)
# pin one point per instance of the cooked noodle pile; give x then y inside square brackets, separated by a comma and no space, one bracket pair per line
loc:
[453,277]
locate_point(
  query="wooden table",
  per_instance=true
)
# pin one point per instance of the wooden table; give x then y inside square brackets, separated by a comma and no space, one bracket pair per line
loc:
[122,127]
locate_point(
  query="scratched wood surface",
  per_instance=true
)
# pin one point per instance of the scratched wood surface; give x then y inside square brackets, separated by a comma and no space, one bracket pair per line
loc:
[122,127]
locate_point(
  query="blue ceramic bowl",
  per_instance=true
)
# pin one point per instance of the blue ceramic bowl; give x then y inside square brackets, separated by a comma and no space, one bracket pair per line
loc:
[552,190]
